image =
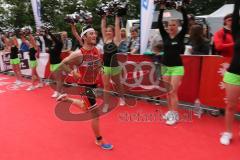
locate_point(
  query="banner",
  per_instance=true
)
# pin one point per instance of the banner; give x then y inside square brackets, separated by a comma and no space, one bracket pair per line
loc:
[202,79]
[5,62]
[6,66]
[36,6]
[43,67]
[147,12]
[212,90]
[189,89]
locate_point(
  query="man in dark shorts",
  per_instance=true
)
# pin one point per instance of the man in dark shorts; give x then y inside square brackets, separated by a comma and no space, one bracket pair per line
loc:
[88,51]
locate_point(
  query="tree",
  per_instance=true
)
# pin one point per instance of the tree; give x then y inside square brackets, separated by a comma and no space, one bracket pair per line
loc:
[207,6]
[19,13]
[16,13]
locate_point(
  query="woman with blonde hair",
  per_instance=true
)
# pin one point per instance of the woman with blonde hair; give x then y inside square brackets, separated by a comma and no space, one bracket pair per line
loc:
[33,54]
[14,59]
[173,69]
[111,38]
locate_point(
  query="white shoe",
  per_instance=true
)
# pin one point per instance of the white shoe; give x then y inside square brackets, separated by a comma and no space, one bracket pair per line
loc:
[55,94]
[225,138]
[30,88]
[166,115]
[172,118]
[121,102]
[171,122]
[39,85]
[17,82]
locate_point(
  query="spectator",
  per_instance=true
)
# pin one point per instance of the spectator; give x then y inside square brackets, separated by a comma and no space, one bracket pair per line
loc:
[191,21]
[223,41]
[206,32]
[24,47]
[200,44]
[157,50]
[67,42]
[123,47]
[67,45]
[40,40]
[134,42]
[24,44]
[6,43]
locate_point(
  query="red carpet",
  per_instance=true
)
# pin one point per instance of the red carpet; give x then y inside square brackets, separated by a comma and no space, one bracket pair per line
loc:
[29,130]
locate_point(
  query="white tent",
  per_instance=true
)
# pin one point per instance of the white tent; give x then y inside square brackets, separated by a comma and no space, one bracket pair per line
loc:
[215,20]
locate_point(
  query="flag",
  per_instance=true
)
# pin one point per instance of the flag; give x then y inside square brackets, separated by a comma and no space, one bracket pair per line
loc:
[36,6]
[147,12]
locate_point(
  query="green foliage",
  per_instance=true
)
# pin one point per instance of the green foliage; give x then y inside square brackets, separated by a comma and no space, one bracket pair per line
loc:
[17,13]
[207,6]
[20,13]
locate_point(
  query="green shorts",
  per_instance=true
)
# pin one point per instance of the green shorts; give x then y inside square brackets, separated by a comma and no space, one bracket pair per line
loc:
[15,61]
[54,67]
[231,78]
[172,71]
[112,71]
[33,64]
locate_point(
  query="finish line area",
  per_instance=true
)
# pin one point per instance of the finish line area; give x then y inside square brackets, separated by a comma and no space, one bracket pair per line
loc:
[30,129]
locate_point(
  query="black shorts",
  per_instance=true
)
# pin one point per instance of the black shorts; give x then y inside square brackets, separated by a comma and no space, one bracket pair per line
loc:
[90,93]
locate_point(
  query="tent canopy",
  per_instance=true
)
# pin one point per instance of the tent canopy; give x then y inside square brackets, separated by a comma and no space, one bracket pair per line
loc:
[223,11]
[215,20]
